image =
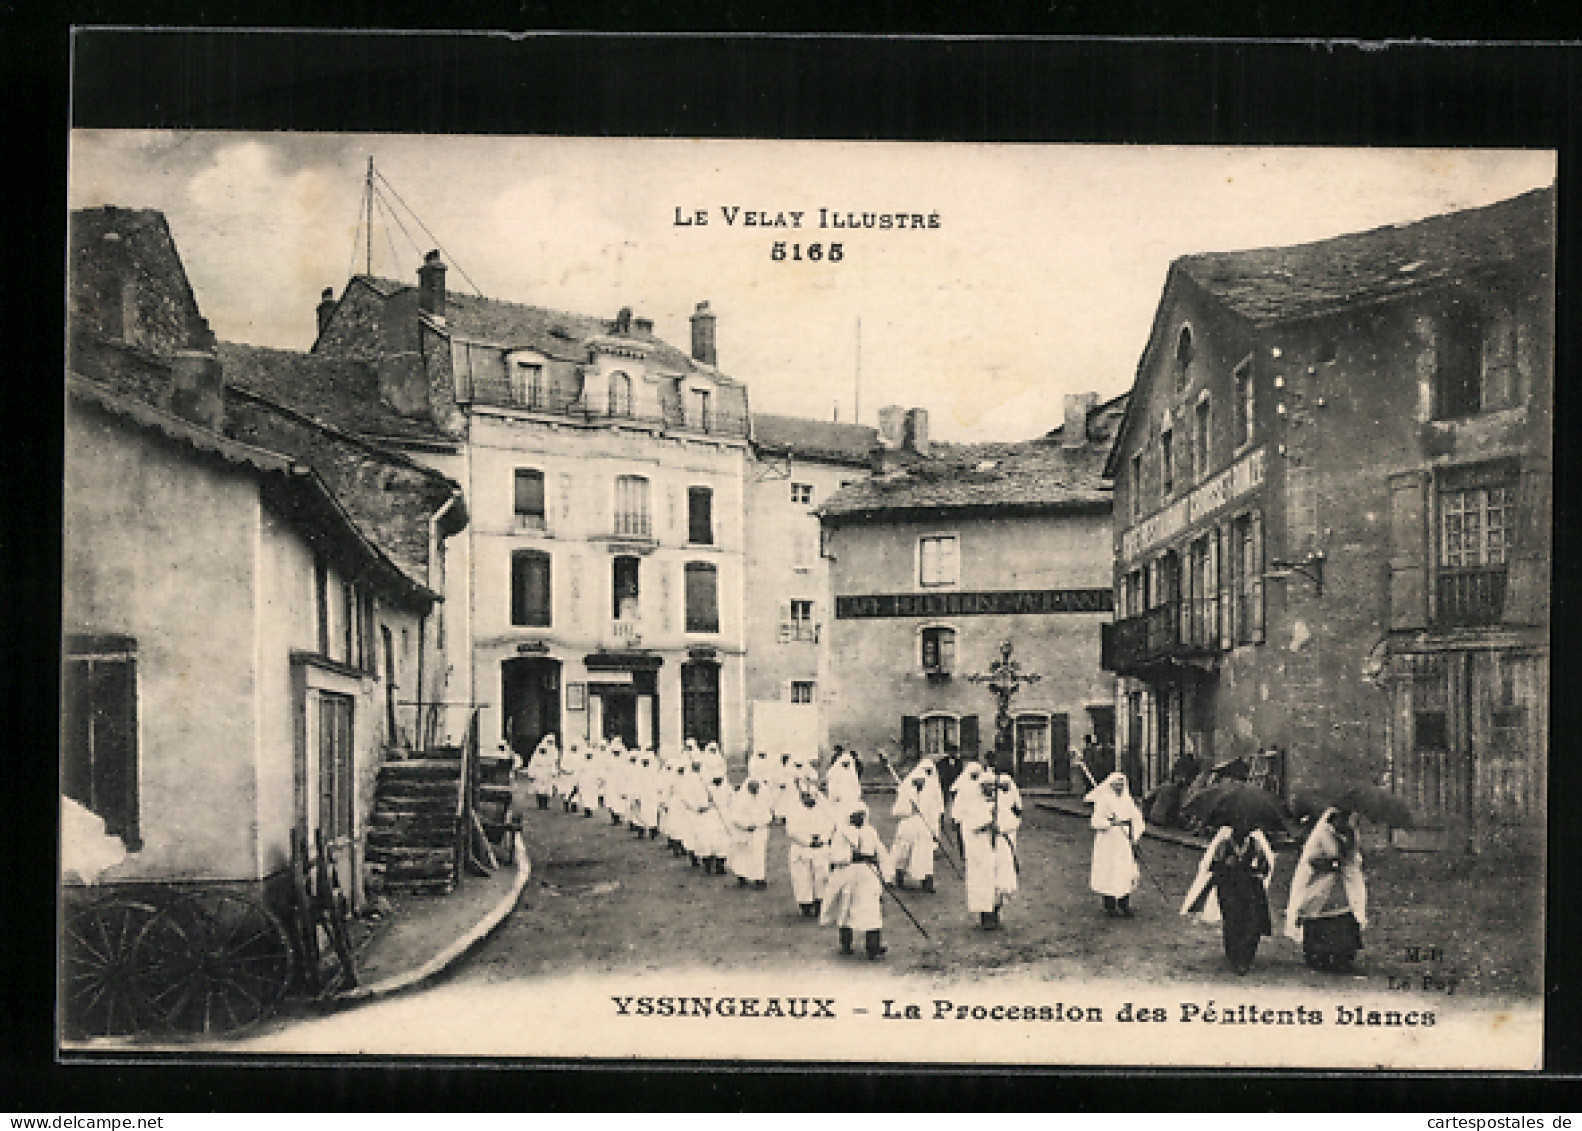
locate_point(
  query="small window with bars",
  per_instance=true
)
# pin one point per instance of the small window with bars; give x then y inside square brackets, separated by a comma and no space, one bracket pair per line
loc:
[802,494]
[801,691]
[529,499]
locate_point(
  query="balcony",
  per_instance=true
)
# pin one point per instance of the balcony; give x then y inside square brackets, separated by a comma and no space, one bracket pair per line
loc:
[1160,639]
[799,630]
[1469,598]
[602,407]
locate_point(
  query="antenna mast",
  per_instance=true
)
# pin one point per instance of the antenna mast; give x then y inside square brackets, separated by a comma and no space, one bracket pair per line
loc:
[368,243]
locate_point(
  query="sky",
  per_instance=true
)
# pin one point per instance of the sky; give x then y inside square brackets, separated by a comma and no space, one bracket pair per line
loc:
[1040,279]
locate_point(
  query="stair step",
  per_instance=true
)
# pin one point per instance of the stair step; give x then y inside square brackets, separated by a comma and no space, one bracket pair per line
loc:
[421,768]
[410,838]
[438,887]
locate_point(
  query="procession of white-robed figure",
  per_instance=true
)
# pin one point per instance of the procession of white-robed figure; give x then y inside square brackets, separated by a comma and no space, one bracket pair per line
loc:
[841,871]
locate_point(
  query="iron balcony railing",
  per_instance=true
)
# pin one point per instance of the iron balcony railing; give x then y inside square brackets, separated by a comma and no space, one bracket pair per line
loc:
[1470,597]
[600,407]
[1172,631]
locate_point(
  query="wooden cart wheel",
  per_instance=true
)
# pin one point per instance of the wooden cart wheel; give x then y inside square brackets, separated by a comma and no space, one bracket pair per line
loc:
[101,996]
[213,962]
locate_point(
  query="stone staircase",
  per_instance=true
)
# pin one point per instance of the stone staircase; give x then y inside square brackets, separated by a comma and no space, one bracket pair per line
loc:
[412,836]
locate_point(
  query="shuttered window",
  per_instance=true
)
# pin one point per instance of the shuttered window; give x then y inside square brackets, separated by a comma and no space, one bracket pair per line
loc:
[632,516]
[939,560]
[1408,550]
[702,597]
[529,500]
[99,733]
[700,516]
[530,593]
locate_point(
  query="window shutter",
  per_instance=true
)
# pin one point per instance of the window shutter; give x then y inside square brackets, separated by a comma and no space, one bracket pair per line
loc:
[1529,552]
[911,736]
[1409,550]
[1255,611]
[1227,586]
[969,736]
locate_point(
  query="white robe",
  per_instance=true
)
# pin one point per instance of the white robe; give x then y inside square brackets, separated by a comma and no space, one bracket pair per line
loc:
[986,830]
[1315,887]
[855,897]
[1117,826]
[920,811]
[750,815]
[710,837]
[807,861]
[543,767]
[844,787]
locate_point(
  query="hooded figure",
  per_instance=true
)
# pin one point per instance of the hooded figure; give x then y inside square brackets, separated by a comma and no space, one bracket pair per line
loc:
[542,769]
[854,901]
[843,786]
[590,783]
[749,816]
[1231,888]
[646,807]
[1117,826]
[988,823]
[921,807]
[568,781]
[710,836]
[1328,905]
[713,762]
[810,829]
[965,784]
[677,816]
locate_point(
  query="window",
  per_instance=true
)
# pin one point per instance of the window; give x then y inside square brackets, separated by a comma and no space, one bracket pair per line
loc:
[527,385]
[702,597]
[702,415]
[1201,433]
[321,604]
[1458,377]
[941,733]
[1032,739]
[530,603]
[620,394]
[335,765]
[802,494]
[99,740]
[700,516]
[631,507]
[1244,403]
[939,650]
[624,587]
[802,626]
[356,624]
[529,501]
[1167,463]
[804,549]
[939,560]
[801,691]
[1136,490]
[1474,544]
[1185,350]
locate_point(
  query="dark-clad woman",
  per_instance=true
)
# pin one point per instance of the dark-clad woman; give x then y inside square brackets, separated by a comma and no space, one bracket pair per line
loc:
[1232,887]
[1329,898]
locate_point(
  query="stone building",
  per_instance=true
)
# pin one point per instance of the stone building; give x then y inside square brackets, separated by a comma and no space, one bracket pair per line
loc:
[797,465]
[946,551]
[246,591]
[602,590]
[1332,491]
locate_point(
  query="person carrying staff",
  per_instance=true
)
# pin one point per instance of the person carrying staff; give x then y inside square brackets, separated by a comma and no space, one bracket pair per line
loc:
[749,816]
[810,828]
[1117,826]
[921,806]
[987,825]
[855,900]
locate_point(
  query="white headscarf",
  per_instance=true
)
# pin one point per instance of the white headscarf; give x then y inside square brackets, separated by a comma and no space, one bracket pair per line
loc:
[1311,886]
[1107,803]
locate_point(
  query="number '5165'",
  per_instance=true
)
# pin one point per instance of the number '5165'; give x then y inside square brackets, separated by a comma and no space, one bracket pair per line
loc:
[813,252]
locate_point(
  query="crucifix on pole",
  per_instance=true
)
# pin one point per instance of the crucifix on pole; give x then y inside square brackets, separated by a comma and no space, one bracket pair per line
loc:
[1004,679]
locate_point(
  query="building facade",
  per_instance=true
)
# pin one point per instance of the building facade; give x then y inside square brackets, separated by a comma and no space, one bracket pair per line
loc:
[244,593]
[1333,504]
[797,465]
[604,575]
[946,552]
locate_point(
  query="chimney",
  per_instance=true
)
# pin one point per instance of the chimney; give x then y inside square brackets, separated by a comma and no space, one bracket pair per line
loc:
[197,389]
[917,431]
[703,335]
[892,426]
[623,321]
[1075,432]
[326,307]
[643,327]
[431,285]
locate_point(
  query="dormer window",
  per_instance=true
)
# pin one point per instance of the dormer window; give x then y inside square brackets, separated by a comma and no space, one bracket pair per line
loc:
[527,384]
[1167,463]
[620,394]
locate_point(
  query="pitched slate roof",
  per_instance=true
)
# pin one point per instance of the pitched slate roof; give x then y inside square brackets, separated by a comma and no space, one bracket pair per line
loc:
[339,393]
[1034,476]
[1271,285]
[826,440]
[558,334]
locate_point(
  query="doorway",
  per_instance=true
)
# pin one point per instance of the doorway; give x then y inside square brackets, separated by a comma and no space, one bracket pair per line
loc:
[530,702]
[700,702]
